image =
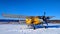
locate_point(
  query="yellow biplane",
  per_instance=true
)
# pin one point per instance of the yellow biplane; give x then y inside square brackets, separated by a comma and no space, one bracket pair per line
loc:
[35,20]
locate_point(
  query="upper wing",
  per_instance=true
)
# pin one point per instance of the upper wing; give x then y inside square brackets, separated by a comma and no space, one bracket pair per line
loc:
[14,16]
[22,16]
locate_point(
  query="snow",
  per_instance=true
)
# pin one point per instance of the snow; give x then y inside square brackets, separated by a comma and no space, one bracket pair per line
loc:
[23,29]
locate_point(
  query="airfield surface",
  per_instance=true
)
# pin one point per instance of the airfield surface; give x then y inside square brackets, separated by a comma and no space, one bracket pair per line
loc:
[23,29]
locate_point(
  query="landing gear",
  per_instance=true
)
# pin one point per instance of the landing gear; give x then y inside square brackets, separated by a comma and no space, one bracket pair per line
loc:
[45,24]
[34,28]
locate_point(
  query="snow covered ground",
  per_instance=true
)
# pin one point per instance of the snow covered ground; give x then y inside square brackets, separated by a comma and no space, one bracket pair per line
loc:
[22,29]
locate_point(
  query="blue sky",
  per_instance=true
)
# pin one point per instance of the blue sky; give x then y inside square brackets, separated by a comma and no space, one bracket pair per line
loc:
[31,7]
